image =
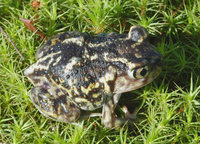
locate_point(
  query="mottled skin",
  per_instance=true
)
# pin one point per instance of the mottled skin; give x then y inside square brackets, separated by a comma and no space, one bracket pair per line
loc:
[76,71]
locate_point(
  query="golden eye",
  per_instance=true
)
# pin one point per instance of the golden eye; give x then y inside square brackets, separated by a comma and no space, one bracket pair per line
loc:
[140,72]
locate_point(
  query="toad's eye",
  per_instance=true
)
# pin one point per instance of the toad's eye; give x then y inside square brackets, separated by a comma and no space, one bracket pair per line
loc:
[140,72]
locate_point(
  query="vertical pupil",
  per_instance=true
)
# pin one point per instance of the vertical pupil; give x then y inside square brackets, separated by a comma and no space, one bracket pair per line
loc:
[143,72]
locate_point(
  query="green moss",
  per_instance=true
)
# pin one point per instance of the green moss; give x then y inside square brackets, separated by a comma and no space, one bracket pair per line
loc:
[167,109]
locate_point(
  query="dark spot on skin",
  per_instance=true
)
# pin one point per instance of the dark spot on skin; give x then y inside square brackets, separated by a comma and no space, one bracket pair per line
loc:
[46,85]
[68,87]
[63,36]
[36,81]
[62,98]
[76,71]
[57,91]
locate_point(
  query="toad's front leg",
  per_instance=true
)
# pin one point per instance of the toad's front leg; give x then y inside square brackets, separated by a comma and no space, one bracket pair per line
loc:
[108,118]
[55,107]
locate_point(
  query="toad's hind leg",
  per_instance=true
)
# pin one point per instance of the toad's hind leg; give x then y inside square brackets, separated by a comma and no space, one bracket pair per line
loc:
[55,107]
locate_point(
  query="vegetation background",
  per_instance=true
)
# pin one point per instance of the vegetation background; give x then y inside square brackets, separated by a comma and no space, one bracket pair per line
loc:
[168,109]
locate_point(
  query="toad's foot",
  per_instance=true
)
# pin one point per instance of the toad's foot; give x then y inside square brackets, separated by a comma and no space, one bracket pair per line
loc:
[108,118]
[128,115]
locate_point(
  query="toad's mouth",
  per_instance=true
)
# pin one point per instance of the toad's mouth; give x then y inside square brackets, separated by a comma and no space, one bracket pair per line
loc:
[153,74]
[126,84]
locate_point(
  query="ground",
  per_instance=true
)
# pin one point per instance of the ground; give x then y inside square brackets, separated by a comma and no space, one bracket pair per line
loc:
[168,109]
